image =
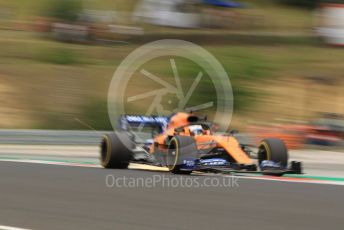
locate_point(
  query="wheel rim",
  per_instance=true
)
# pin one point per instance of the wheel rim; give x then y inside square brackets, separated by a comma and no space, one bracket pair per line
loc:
[262,153]
[172,155]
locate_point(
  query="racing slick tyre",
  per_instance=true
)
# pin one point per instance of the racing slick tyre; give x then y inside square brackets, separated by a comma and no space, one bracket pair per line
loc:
[116,150]
[273,149]
[181,148]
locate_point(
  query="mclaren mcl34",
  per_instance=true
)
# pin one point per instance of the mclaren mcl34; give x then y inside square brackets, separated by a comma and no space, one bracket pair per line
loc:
[185,143]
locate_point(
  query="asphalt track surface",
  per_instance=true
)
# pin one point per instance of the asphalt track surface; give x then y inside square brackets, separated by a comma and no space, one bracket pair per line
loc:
[38,196]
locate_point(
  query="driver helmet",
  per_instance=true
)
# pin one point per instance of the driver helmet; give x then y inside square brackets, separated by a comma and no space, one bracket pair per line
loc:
[196,129]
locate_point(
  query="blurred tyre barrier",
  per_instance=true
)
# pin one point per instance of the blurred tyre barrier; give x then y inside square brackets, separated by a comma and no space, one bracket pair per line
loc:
[293,135]
[70,32]
[326,130]
[330,23]
[50,137]
[127,30]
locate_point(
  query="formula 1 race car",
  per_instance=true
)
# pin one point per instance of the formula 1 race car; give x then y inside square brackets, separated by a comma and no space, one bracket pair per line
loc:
[185,143]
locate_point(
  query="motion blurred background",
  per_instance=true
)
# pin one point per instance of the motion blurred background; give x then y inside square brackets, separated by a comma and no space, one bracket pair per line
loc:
[284,58]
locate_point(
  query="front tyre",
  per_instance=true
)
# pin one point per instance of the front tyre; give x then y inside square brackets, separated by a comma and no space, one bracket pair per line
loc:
[181,148]
[273,149]
[116,150]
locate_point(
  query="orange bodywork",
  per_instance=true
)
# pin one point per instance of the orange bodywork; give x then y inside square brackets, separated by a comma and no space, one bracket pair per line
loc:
[204,141]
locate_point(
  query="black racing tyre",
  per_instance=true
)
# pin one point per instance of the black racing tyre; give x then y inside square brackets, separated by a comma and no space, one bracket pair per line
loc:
[116,150]
[273,149]
[180,148]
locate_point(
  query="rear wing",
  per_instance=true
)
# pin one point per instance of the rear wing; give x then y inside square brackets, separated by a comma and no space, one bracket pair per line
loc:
[126,122]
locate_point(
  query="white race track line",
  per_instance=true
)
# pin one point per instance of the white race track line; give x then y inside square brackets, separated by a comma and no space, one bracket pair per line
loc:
[46,162]
[3,227]
[293,180]
[134,166]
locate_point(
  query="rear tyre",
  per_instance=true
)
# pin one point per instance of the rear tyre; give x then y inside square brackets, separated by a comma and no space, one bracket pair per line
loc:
[179,149]
[116,150]
[273,149]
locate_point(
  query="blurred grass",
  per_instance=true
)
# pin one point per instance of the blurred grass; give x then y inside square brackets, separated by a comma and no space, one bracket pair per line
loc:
[61,56]
[53,85]
[50,92]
